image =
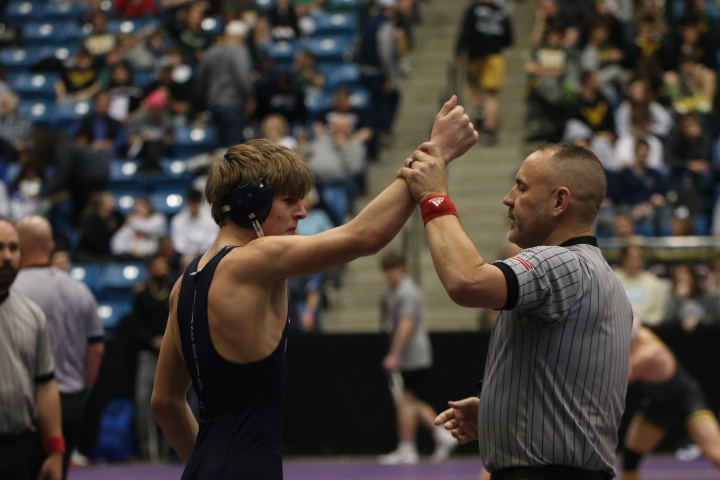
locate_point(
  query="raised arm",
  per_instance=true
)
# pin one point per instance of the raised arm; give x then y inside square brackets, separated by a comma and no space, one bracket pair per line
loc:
[372,228]
[468,279]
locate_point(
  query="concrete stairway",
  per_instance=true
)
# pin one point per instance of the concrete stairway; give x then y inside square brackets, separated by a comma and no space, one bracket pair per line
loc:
[478,181]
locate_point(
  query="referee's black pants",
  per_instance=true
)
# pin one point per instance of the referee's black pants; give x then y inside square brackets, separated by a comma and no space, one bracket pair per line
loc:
[553,472]
[20,456]
[72,409]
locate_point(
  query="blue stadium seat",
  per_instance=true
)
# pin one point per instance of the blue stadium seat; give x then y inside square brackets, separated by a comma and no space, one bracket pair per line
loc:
[330,48]
[282,53]
[43,33]
[89,274]
[344,5]
[17,60]
[130,25]
[18,13]
[169,201]
[174,177]
[60,52]
[124,177]
[34,86]
[64,10]
[191,141]
[39,112]
[360,98]
[213,26]
[110,313]
[66,114]
[317,102]
[125,196]
[12,170]
[266,4]
[143,78]
[340,74]
[120,277]
[335,23]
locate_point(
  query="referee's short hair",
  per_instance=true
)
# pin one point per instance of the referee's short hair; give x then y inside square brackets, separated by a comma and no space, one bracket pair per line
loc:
[578,169]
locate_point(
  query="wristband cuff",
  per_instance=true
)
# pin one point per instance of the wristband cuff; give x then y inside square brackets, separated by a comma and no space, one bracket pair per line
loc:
[436,206]
[54,445]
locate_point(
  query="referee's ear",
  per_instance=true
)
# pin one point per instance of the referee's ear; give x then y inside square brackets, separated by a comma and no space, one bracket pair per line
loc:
[562,200]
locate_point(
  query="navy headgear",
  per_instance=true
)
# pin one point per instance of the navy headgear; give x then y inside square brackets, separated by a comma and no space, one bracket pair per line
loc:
[250,203]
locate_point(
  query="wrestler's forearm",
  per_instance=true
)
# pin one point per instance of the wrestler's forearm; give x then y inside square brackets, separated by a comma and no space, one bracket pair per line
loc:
[179,425]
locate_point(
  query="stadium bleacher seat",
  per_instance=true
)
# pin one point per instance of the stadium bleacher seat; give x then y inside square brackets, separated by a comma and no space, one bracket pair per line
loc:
[340,74]
[174,177]
[125,196]
[111,312]
[124,177]
[60,52]
[18,13]
[34,86]
[343,5]
[335,23]
[282,53]
[330,49]
[63,10]
[213,26]
[39,112]
[118,278]
[266,4]
[17,60]
[89,274]
[66,114]
[191,141]
[130,25]
[169,201]
[143,78]
[43,33]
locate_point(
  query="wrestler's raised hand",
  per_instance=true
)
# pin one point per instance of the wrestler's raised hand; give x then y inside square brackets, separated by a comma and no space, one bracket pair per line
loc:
[452,131]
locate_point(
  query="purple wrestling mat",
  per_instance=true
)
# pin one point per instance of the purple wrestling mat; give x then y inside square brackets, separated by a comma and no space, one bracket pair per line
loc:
[655,468]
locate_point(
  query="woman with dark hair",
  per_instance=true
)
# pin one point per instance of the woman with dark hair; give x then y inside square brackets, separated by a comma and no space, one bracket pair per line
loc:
[689,304]
[640,103]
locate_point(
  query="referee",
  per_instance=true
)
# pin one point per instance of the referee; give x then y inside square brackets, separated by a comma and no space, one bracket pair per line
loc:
[557,368]
[74,328]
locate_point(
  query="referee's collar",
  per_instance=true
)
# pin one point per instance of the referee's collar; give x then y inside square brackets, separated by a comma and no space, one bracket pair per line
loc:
[587,239]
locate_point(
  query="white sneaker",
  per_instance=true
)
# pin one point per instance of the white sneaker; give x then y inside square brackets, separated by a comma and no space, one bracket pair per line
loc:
[399,457]
[445,443]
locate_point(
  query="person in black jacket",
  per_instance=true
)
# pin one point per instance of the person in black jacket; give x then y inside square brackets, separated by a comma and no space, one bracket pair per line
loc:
[486,30]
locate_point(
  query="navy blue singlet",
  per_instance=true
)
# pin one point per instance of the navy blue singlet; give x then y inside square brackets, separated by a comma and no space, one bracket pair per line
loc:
[241,404]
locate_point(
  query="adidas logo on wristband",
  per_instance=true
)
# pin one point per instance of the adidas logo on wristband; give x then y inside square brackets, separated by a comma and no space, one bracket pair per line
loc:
[437,201]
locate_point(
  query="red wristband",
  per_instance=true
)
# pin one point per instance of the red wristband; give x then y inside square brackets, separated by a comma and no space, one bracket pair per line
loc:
[54,445]
[435,206]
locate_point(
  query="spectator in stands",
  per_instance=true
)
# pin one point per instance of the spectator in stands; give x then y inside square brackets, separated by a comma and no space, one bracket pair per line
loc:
[100,41]
[14,128]
[624,229]
[602,56]
[641,191]
[192,229]
[640,104]
[549,16]
[592,117]
[282,93]
[691,43]
[80,81]
[692,87]
[151,132]
[486,30]
[379,70]
[645,290]
[149,314]
[75,331]
[624,155]
[125,95]
[305,303]
[336,158]
[282,21]
[61,260]
[99,223]
[317,220]
[647,42]
[138,237]
[224,80]
[100,131]
[275,129]
[343,106]
[305,71]
[177,88]
[550,66]
[682,224]
[135,8]
[715,225]
[688,154]
[246,11]
[689,305]
[24,192]
[175,261]
[189,34]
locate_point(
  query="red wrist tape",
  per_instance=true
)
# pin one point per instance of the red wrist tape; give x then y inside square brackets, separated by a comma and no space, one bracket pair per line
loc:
[436,206]
[54,445]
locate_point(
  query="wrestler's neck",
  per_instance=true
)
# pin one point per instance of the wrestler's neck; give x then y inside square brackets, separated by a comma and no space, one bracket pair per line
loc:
[232,235]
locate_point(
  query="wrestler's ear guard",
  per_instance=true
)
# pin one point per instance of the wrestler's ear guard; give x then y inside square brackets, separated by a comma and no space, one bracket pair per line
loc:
[249,205]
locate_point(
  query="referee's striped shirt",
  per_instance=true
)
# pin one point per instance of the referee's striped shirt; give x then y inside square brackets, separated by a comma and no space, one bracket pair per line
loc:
[557,369]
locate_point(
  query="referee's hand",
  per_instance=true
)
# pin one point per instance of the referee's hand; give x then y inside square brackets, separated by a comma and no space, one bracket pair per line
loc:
[461,419]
